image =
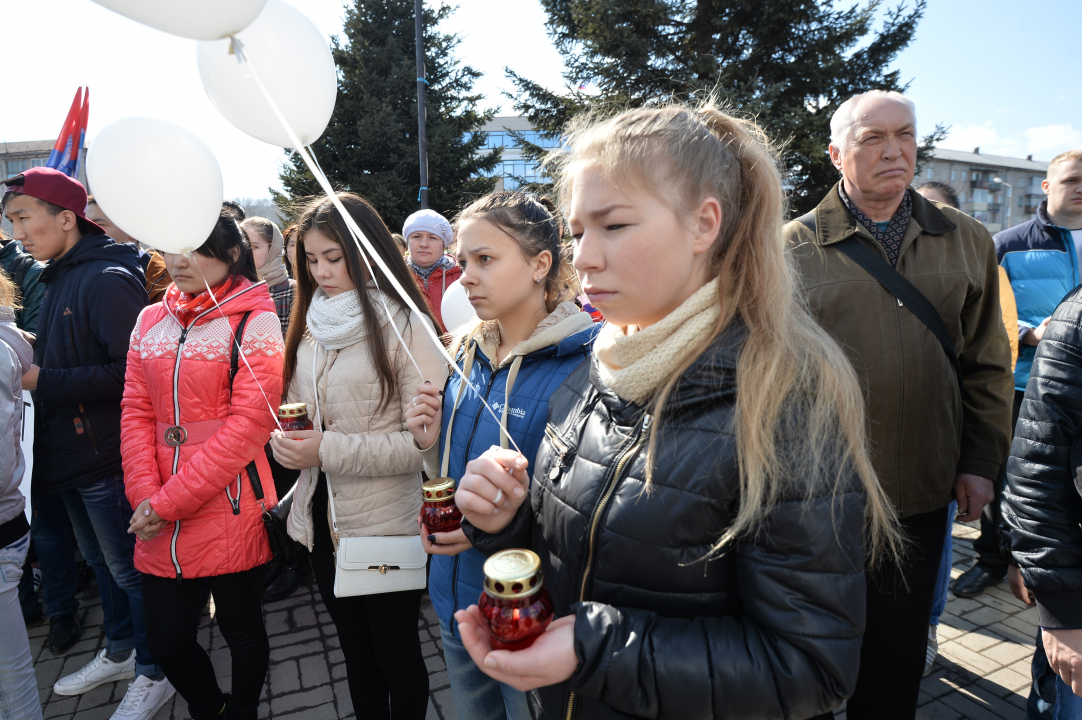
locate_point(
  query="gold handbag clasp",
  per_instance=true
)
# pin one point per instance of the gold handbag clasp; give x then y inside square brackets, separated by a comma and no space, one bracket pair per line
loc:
[383,568]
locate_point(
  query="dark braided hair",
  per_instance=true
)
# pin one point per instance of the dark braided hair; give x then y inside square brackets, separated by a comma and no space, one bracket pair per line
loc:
[534,223]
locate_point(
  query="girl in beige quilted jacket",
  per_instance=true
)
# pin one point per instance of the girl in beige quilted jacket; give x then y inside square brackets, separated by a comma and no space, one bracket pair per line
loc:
[346,362]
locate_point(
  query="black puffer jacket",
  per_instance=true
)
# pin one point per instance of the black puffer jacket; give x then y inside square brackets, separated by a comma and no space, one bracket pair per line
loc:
[1042,504]
[770,629]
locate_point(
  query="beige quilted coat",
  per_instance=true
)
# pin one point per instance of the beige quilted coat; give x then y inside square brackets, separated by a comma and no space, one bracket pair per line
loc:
[371,460]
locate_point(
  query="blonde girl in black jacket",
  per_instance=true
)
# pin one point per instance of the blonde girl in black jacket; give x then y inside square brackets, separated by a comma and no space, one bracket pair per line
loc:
[703,504]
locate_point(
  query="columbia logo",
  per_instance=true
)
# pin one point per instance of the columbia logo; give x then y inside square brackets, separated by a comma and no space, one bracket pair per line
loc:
[511,412]
[67,311]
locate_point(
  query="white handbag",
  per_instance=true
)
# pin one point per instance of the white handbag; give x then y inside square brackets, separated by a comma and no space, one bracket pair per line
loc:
[372,565]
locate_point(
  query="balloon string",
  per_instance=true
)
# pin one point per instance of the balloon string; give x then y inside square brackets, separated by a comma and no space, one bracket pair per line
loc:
[240,352]
[359,237]
[315,159]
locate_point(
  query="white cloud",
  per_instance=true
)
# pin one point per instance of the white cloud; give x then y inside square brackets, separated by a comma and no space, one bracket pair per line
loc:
[1051,140]
[1043,143]
[984,136]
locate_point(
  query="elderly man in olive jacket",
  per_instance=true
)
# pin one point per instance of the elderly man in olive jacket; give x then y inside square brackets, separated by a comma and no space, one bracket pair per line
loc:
[935,433]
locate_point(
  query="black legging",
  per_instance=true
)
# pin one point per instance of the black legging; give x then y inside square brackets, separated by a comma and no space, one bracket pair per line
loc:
[378,635]
[172,615]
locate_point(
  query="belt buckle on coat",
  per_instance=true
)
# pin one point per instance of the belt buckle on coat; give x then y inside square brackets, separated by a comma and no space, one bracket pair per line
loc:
[176,435]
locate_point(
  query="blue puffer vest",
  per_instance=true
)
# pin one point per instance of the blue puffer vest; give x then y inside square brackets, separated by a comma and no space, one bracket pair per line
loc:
[1040,260]
[548,358]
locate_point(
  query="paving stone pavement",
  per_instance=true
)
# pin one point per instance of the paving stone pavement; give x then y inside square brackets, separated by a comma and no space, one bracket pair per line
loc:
[982,672]
[306,679]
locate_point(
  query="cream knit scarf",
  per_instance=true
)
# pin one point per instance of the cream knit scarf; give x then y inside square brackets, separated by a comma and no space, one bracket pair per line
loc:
[634,366]
[337,322]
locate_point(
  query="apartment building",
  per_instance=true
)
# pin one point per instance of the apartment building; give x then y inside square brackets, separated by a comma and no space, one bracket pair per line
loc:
[999,191]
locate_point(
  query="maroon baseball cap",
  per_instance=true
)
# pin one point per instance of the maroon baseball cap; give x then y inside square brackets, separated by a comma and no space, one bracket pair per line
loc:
[54,187]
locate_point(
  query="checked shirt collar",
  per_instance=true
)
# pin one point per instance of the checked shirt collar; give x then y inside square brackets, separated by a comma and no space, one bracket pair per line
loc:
[891,238]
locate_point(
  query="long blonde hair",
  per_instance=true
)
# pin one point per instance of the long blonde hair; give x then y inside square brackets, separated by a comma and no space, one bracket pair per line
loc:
[799,419]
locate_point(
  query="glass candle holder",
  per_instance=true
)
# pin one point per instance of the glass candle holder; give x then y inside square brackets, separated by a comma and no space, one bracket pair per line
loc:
[439,512]
[515,603]
[294,416]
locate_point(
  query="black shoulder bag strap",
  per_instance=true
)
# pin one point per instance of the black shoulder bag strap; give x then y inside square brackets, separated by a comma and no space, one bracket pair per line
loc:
[896,284]
[234,367]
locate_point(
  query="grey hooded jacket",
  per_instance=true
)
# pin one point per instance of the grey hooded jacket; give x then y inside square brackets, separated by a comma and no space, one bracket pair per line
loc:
[14,351]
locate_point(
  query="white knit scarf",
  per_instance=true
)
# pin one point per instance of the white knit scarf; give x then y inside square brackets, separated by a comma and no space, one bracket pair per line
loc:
[337,322]
[634,366]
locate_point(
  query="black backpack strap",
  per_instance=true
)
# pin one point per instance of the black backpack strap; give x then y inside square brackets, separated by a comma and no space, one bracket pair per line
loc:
[234,354]
[907,295]
[234,367]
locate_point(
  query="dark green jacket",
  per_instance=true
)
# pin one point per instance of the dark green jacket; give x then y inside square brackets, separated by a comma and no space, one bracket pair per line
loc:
[922,430]
[30,290]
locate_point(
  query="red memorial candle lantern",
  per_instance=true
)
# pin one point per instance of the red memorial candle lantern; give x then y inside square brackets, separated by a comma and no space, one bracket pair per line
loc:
[294,417]
[515,603]
[440,514]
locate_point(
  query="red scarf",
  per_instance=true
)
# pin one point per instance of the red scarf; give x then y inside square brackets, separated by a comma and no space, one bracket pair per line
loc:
[188,307]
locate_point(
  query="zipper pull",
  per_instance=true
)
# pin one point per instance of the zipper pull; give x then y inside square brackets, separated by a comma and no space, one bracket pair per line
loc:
[648,419]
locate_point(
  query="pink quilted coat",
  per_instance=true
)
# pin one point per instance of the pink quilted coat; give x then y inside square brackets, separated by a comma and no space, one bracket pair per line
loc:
[200,487]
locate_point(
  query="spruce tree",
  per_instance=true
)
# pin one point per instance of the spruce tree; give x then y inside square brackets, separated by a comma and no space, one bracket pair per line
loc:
[370,146]
[787,63]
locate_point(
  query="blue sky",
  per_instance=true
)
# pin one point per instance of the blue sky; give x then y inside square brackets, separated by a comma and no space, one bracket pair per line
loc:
[1000,73]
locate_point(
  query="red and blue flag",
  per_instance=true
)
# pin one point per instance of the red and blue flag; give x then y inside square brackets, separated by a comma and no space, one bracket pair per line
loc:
[66,155]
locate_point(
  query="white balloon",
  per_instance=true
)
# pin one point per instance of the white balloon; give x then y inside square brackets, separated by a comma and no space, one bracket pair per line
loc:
[135,165]
[293,60]
[455,307]
[195,19]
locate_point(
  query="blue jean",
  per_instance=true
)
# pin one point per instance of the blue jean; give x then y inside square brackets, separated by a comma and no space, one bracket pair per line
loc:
[1068,705]
[1041,704]
[939,600]
[28,596]
[18,687]
[51,530]
[99,513]
[478,696]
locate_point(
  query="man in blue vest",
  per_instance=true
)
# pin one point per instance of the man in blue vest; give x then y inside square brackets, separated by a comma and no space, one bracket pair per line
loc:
[1042,258]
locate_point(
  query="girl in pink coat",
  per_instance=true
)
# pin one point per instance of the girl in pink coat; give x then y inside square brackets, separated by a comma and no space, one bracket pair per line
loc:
[192,443]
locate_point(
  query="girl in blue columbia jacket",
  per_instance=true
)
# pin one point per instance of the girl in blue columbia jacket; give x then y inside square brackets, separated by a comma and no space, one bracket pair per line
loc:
[526,341]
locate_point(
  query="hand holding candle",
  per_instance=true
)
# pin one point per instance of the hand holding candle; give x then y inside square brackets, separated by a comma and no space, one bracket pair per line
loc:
[493,488]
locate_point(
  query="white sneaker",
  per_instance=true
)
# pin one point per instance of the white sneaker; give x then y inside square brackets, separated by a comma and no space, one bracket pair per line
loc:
[97,672]
[144,698]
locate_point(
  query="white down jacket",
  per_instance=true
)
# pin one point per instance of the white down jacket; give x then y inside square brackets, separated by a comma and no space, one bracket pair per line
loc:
[372,463]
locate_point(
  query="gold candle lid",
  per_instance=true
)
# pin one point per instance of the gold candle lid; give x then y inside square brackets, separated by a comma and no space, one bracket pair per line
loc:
[293,410]
[438,489]
[513,574]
